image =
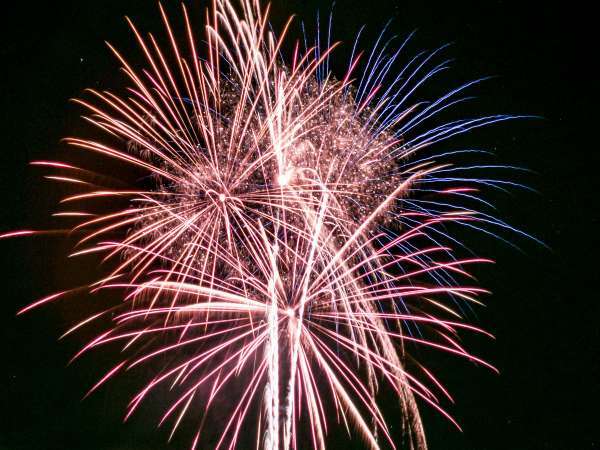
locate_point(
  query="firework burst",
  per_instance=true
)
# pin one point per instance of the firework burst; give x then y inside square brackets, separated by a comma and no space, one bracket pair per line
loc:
[279,246]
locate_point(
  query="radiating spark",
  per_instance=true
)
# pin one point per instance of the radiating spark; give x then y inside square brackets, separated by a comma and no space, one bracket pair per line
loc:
[41,302]
[12,234]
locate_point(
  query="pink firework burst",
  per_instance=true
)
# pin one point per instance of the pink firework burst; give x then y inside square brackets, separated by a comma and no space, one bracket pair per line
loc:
[289,236]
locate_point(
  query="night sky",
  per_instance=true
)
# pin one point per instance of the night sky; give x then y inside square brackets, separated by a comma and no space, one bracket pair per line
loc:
[544,308]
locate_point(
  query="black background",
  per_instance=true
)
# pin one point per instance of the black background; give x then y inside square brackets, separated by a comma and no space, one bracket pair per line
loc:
[544,309]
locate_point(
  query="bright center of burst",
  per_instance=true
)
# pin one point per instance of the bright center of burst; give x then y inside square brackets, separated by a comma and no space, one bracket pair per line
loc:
[221,198]
[284,178]
[290,313]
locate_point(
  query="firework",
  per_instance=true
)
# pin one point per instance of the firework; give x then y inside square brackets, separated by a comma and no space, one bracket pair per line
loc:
[289,236]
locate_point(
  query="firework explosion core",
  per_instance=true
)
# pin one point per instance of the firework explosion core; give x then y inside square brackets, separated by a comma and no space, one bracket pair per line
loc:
[280,247]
